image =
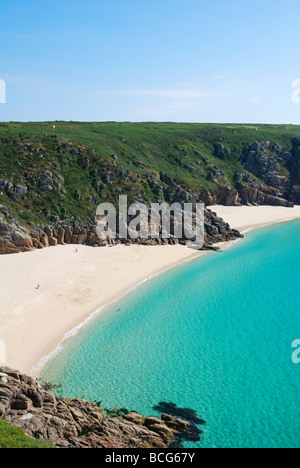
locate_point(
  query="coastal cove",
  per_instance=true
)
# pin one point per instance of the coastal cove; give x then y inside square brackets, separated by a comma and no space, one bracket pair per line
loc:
[182,338]
[149,228]
[114,327]
[75,284]
[34,323]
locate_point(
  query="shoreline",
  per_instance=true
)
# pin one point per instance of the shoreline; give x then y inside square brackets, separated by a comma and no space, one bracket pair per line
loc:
[75,288]
[238,216]
[38,368]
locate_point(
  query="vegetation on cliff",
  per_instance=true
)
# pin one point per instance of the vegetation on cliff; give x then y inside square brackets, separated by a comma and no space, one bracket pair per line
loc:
[13,437]
[52,184]
[67,176]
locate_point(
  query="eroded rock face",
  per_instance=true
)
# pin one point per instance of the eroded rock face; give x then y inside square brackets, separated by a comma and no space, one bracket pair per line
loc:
[217,230]
[258,161]
[7,247]
[21,239]
[295,194]
[8,187]
[21,190]
[14,240]
[262,160]
[78,423]
[262,179]
[39,413]
[296,159]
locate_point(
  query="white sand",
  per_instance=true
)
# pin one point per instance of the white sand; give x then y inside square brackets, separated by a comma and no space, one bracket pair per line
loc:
[246,217]
[72,287]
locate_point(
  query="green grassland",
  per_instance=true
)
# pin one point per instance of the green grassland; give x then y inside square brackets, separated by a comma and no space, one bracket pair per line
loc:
[183,152]
[13,437]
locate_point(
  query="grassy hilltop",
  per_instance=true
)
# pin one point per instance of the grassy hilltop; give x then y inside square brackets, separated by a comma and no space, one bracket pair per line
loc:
[199,158]
[13,437]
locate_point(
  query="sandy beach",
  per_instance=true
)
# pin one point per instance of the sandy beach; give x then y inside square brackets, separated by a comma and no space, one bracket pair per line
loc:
[74,285]
[247,217]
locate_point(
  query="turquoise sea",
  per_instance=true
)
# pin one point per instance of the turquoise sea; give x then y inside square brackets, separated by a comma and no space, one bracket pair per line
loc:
[214,334]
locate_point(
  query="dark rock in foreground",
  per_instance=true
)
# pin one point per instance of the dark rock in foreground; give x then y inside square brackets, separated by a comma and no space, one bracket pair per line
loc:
[78,423]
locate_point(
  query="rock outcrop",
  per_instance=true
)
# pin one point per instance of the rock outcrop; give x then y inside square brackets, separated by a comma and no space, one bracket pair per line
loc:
[78,423]
[265,162]
[271,177]
[294,162]
[217,230]
[261,173]
[14,239]
[258,160]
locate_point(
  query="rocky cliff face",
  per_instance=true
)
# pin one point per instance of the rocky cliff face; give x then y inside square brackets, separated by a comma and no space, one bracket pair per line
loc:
[77,423]
[108,179]
[50,190]
[271,177]
[14,239]
[294,164]
[265,161]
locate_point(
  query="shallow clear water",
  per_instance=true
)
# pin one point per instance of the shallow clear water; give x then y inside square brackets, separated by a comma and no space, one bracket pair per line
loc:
[214,335]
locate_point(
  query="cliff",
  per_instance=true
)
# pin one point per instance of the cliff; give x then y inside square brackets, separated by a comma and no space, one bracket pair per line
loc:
[14,239]
[50,186]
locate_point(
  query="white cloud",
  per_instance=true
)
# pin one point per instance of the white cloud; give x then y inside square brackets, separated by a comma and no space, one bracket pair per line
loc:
[220,77]
[165,93]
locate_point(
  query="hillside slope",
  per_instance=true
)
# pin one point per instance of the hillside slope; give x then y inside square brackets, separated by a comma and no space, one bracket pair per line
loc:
[59,180]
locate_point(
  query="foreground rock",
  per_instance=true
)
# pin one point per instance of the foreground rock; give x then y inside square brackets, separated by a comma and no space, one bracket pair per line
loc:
[77,423]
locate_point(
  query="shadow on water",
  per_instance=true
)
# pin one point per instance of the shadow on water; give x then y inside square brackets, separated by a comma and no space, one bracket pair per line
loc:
[191,433]
[173,415]
[183,433]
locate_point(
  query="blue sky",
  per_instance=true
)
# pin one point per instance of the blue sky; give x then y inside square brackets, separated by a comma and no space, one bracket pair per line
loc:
[158,60]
